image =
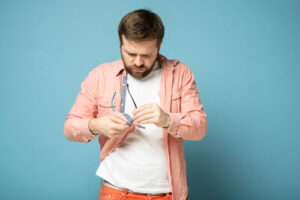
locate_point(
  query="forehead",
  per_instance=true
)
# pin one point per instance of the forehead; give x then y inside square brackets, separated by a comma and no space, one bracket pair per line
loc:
[141,47]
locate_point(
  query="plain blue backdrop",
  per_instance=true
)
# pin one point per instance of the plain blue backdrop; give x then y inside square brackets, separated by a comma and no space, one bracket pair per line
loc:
[244,55]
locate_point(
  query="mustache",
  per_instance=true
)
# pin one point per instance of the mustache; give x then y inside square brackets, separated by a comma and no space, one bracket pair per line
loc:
[141,66]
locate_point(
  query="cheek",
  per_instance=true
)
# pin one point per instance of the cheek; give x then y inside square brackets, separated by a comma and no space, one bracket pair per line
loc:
[149,62]
[127,60]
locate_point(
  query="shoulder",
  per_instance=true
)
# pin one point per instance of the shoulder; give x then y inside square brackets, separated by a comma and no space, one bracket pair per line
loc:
[175,64]
[107,68]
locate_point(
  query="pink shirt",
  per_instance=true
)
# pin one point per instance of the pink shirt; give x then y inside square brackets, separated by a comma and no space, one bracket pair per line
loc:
[178,97]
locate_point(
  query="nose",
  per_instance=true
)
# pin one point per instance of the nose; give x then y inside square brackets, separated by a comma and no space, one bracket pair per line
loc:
[138,61]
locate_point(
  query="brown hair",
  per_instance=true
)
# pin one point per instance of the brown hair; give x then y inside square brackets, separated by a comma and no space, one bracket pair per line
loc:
[141,25]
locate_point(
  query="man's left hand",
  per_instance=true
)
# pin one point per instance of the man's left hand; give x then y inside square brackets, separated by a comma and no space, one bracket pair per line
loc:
[151,114]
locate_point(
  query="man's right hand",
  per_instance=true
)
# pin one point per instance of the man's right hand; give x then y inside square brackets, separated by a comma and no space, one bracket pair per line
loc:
[111,126]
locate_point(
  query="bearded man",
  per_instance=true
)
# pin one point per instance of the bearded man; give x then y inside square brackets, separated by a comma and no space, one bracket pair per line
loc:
[141,108]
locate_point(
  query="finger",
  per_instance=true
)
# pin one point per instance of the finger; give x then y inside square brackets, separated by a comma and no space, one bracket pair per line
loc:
[148,121]
[119,127]
[146,109]
[146,106]
[140,114]
[131,129]
[119,115]
[117,131]
[148,117]
[117,120]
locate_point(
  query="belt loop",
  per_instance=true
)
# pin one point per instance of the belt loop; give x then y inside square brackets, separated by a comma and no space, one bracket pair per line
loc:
[124,194]
[169,196]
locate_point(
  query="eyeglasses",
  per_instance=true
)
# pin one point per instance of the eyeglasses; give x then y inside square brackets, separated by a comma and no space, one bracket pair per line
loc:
[131,96]
[130,121]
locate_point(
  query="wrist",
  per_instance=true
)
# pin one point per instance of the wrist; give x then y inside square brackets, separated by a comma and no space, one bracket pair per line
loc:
[168,121]
[93,127]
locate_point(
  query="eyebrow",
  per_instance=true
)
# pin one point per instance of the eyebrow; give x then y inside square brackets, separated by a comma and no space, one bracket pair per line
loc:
[135,53]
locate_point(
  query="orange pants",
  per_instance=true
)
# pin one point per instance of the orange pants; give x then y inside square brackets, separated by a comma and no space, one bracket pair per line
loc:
[107,193]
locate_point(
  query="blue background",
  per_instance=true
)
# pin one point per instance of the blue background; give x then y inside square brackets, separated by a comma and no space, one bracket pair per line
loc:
[245,57]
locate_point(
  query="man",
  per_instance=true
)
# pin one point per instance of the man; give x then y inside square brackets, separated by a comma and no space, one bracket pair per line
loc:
[142,108]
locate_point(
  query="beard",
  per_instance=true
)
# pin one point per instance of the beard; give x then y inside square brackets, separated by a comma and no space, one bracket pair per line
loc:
[139,75]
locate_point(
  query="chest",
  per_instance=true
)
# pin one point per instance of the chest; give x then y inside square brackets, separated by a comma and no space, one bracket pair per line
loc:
[165,89]
[141,92]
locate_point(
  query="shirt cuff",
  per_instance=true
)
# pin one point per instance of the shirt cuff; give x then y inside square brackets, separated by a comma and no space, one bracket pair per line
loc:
[86,130]
[174,125]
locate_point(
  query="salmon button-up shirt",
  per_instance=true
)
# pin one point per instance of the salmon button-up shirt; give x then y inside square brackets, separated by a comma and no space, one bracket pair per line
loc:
[178,97]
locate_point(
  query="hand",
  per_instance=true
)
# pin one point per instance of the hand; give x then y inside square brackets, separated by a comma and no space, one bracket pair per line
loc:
[151,114]
[112,126]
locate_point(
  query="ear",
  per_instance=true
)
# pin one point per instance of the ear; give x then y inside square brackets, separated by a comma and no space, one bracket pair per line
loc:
[159,46]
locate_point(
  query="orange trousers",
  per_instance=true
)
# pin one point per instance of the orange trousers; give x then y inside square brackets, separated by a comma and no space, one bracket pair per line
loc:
[107,193]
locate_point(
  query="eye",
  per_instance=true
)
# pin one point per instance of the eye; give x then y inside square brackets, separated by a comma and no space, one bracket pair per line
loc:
[146,56]
[131,54]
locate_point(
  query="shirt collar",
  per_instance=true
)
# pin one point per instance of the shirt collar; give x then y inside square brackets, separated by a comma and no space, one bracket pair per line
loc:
[118,67]
[167,64]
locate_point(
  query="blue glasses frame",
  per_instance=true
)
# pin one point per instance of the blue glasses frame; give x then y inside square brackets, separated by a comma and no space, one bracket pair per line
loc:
[129,121]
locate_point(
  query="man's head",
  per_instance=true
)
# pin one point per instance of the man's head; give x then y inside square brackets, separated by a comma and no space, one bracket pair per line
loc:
[140,33]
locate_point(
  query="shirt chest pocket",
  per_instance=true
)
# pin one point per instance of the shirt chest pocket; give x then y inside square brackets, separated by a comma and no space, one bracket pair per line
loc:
[176,101]
[106,106]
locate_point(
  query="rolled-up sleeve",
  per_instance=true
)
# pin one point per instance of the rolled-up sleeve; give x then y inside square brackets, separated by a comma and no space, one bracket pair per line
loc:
[191,123]
[85,107]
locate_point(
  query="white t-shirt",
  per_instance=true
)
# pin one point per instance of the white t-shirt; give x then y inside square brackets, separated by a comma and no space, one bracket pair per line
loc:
[139,164]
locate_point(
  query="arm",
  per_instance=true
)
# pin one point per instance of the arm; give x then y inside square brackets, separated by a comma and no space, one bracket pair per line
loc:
[85,108]
[81,124]
[191,123]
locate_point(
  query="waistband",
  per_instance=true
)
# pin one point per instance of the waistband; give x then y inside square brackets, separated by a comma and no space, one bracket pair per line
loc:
[117,189]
